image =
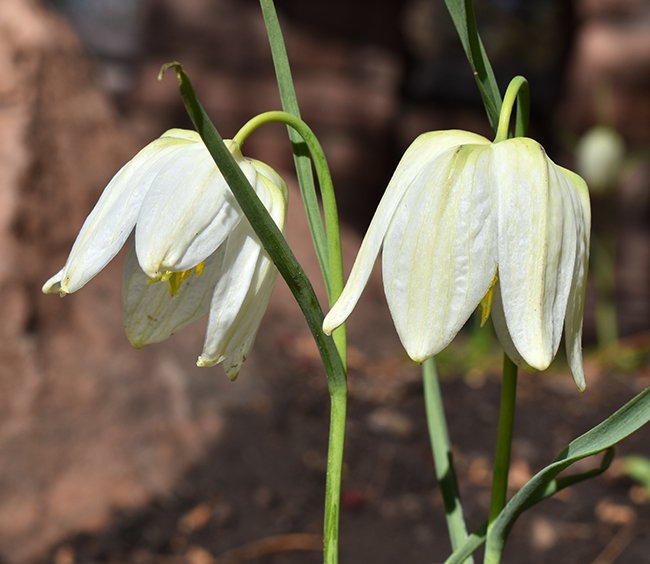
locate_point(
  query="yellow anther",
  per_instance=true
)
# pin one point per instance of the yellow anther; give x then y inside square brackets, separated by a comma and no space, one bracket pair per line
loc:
[486,302]
[175,279]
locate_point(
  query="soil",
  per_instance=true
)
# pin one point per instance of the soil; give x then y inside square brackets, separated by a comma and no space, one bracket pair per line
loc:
[256,495]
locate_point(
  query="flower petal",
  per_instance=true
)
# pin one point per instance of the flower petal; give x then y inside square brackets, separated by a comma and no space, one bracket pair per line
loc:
[53,285]
[151,314]
[236,315]
[187,214]
[501,329]
[536,247]
[244,288]
[426,148]
[576,303]
[112,219]
[440,250]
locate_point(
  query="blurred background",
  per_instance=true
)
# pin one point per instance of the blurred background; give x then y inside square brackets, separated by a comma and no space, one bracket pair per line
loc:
[114,455]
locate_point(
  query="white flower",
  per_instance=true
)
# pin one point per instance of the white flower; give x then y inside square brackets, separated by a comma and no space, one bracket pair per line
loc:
[464,219]
[191,237]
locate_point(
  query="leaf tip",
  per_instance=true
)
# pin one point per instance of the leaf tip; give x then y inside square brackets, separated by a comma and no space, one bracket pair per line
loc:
[172,64]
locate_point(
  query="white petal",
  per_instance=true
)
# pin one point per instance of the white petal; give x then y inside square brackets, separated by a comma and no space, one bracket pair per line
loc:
[151,314]
[423,150]
[440,250]
[232,333]
[576,303]
[187,214]
[277,186]
[243,291]
[536,247]
[501,329]
[111,221]
[53,285]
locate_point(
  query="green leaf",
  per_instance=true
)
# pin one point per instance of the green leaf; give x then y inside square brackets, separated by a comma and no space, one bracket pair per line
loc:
[621,424]
[628,419]
[638,468]
[462,14]
[301,155]
[443,457]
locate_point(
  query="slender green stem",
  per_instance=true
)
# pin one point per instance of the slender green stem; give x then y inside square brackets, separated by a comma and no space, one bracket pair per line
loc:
[442,455]
[300,155]
[502,454]
[334,274]
[305,180]
[297,281]
[334,271]
[338,407]
[518,91]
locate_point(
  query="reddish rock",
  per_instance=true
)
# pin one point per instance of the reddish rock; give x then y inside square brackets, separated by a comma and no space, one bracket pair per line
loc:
[87,425]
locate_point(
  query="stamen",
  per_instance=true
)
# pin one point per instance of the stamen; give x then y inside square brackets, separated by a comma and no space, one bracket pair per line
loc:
[175,279]
[486,302]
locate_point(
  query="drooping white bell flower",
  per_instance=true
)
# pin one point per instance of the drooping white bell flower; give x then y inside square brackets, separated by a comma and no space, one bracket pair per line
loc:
[464,219]
[191,237]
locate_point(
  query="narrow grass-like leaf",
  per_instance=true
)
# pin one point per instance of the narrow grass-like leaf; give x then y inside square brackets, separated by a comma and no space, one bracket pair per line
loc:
[621,424]
[462,14]
[442,455]
[300,153]
[628,419]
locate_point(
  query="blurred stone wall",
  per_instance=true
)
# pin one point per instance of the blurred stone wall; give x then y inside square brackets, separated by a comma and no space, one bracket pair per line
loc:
[608,83]
[88,427]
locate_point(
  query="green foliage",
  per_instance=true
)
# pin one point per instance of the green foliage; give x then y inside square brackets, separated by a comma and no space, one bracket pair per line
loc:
[638,468]
[621,424]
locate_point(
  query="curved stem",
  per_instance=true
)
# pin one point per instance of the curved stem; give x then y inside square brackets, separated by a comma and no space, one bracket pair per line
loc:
[333,273]
[518,91]
[442,456]
[502,454]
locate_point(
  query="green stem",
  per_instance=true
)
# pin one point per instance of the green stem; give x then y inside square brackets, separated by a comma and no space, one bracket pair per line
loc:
[338,404]
[334,271]
[300,156]
[307,190]
[518,91]
[442,455]
[336,441]
[297,281]
[502,454]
